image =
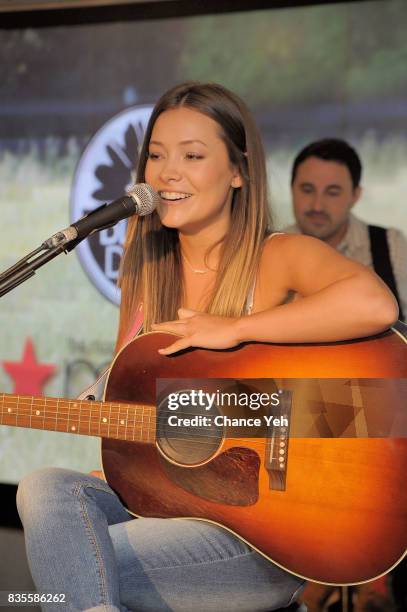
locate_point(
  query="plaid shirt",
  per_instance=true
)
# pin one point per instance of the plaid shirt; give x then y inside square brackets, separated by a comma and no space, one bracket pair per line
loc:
[356,245]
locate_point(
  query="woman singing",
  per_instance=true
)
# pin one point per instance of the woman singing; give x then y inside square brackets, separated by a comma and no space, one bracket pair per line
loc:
[207,266]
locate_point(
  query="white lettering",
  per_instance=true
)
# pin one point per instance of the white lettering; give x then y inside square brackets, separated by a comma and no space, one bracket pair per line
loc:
[196,421]
[275,399]
[173,401]
[276,422]
[226,421]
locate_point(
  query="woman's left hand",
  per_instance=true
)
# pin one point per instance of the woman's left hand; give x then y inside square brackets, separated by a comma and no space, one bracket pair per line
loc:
[201,330]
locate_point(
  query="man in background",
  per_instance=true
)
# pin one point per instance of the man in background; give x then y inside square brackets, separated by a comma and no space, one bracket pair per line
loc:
[325,184]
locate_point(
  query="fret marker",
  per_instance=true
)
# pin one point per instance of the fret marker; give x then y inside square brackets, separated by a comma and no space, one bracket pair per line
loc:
[122,422]
[9,410]
[104,420]
[75,405]
[73,428]
[37,412]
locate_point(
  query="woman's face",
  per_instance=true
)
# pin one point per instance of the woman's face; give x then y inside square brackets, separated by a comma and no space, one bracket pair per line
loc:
[188,165]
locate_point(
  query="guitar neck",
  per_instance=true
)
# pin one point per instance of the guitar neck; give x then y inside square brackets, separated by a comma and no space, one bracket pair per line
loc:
[132,422]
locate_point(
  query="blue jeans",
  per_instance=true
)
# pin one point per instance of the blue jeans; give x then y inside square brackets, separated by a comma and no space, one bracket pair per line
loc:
[81,541]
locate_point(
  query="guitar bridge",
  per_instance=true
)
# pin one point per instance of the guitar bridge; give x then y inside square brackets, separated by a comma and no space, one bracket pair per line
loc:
[276,453]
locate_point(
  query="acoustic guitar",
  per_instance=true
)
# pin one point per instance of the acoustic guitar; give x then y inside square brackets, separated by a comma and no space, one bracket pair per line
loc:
[324,497]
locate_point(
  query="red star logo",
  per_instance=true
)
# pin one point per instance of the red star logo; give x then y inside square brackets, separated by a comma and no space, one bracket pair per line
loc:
[29,376]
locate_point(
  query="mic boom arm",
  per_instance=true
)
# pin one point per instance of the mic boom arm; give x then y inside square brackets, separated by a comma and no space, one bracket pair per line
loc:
[26,267]
[140,199]
[63,241]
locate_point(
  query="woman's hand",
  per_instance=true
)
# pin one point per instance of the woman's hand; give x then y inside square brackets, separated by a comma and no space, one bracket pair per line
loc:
[199,329]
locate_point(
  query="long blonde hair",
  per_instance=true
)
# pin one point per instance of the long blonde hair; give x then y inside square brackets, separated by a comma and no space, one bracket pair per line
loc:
[151,270]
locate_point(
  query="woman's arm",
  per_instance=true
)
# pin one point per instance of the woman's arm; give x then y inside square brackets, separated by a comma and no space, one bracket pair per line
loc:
[339,299]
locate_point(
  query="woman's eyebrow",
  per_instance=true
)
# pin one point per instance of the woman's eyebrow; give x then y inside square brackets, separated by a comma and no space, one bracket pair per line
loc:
[182,142]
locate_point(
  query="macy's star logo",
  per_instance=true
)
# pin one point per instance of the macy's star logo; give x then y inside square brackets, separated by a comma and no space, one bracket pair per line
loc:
[29,375]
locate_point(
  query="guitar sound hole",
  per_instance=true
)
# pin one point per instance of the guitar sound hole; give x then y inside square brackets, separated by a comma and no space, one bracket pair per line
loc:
[188,435]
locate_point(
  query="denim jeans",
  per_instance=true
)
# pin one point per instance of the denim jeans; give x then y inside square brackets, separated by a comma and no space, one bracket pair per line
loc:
[81,541]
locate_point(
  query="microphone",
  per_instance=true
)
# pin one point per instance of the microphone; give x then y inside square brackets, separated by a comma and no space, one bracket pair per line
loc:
[140,199]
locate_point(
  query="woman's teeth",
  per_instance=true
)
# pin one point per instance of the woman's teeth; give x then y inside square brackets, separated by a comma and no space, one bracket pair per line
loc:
[169,195]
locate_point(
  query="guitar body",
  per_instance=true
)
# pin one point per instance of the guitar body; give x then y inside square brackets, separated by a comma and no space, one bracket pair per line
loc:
[341,515]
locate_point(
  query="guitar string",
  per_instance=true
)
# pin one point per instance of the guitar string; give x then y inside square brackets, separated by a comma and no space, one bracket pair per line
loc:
[132,424]
[98,414]
[186,436]
[254,441]
[110,409]
[93,407]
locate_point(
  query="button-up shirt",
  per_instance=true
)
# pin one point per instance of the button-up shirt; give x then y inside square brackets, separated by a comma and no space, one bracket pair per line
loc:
[356,245]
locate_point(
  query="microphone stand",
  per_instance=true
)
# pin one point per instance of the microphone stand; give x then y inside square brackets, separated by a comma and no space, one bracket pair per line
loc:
[61,242]
[140,199]
[25,268]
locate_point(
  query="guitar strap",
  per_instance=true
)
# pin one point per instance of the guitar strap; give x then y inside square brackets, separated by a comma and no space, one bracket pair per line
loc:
[379,247]
[95,390]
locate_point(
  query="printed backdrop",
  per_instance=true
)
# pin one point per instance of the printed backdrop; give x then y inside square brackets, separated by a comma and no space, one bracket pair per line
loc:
[74,104]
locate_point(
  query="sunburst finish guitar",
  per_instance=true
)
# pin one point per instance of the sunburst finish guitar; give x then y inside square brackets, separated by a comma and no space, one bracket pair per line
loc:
[325,498]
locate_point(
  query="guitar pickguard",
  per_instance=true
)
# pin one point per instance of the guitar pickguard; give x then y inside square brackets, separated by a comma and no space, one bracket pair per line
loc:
[230,478]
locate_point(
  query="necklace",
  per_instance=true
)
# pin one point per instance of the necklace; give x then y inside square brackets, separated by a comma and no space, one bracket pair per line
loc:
[194,270]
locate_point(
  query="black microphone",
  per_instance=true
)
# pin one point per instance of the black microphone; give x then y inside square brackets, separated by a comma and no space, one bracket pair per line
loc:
[140,199]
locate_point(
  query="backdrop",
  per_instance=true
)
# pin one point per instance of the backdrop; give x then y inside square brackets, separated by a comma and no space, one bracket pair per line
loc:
[74,104]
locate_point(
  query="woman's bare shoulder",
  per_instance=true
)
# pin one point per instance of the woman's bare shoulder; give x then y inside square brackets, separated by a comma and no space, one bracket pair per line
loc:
[305,264]
[273,265]
[279,244]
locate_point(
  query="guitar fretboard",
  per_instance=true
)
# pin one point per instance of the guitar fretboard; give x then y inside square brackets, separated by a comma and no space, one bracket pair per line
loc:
[132,422]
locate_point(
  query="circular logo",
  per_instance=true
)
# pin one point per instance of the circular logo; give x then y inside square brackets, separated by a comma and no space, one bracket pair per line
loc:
[105,170]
